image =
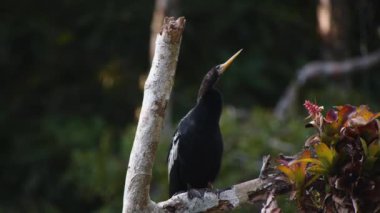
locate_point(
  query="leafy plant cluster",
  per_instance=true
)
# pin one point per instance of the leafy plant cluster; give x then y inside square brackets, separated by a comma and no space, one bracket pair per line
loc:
[339,169]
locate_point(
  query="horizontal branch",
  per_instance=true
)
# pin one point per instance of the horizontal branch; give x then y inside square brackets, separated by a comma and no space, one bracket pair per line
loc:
[322,68]
[253,191]
[319,68]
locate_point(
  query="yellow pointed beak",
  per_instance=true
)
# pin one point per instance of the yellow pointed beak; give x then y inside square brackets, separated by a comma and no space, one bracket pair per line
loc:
[223,67]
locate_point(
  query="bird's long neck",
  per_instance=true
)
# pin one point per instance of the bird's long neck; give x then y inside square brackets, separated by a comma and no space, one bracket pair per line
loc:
[209,101]
[208,82]
[209,106]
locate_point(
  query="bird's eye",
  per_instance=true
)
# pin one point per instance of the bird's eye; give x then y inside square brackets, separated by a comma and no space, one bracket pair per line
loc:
[218,69]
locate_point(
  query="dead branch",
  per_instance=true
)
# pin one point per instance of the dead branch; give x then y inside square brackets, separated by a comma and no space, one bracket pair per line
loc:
[162,8]
[253,191]
[157,91]
[322,68]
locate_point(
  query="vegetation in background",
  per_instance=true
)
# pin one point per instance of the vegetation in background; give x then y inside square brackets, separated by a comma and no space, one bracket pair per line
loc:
[69,88]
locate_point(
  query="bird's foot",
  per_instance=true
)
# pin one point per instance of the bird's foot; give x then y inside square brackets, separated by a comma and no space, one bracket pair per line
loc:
[212,190]
[194,193]
[209,185]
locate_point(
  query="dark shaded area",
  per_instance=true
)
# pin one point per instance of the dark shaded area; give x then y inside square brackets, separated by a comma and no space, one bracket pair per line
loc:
[69,88]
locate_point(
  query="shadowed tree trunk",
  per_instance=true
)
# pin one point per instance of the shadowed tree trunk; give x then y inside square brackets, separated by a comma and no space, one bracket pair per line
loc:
[333,27]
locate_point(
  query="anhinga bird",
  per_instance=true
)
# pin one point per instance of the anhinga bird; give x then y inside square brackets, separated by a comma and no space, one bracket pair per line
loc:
[196,150]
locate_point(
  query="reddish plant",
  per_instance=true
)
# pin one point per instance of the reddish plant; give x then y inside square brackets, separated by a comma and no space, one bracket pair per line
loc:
[341,170]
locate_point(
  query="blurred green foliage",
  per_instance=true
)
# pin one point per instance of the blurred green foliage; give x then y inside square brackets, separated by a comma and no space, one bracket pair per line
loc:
[69,88]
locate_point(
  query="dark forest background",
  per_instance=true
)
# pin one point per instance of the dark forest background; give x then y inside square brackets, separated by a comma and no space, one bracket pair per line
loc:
[71,87]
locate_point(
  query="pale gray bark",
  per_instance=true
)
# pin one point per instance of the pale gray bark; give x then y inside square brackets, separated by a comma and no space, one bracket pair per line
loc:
[270,183]
[157,91]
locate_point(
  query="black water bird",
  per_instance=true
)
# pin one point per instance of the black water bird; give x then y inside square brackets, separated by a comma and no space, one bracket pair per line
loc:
[196,150]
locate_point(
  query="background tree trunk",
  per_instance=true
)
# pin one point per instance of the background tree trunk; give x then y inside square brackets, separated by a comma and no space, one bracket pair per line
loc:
[333,28]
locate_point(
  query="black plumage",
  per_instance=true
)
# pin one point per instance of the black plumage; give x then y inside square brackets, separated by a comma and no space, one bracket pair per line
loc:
[196,150]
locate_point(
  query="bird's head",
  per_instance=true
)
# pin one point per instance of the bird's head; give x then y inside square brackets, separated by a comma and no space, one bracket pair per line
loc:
[213,75]
[221,68]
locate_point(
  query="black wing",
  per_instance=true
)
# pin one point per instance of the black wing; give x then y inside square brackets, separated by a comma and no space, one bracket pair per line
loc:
[175,182]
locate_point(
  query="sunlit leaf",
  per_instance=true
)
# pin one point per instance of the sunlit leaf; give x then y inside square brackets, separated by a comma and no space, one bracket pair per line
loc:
[287,171]
[324,152]
[299,175]
[317,169]
[296,169]
[305,155]
[307,160]
[325,155]
[344,113]
[361,116]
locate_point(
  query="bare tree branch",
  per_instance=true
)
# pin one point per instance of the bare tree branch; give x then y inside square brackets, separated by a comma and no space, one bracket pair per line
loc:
[157,91]
[316,69]
[253,191]
[162,8]
[323,68]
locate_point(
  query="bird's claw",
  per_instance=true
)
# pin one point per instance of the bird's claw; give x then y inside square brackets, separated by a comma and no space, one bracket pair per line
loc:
[213,190]
[192,193]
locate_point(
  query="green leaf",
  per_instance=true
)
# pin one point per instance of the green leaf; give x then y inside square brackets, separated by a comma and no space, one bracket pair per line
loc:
[316,169]
[312,180]
[364,146]
[374,149]
[324,152]
[307,160]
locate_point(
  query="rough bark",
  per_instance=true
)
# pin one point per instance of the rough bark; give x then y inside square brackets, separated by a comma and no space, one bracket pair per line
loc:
[157,91]
[258,190]
[322,68]
[162,9]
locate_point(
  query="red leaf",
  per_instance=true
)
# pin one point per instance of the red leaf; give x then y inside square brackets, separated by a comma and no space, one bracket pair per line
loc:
[331,116]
